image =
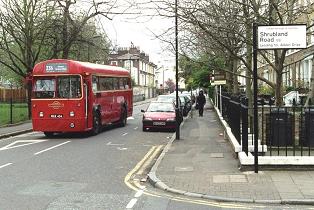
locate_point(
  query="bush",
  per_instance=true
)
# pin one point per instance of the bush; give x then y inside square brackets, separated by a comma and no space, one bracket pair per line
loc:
[265,90]
[211,90]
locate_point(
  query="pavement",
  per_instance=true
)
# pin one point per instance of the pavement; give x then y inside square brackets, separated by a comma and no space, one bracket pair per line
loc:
[16,129]
[202,164]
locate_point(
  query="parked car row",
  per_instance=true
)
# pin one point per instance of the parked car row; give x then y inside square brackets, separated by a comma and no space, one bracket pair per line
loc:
[161,113]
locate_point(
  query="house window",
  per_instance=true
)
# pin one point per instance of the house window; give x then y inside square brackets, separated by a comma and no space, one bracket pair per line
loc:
[114,63]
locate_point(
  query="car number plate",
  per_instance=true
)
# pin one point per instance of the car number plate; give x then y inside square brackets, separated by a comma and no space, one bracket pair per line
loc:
[56,115]
[159,123]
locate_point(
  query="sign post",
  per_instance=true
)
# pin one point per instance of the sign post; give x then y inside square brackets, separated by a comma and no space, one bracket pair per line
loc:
[219,78]
[255,127]
[272,37]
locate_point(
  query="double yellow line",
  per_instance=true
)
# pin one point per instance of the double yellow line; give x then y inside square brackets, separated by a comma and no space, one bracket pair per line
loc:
[140,166]
[147,160]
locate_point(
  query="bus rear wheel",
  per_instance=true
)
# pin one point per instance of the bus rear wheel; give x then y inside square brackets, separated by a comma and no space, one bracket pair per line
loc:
[96,124]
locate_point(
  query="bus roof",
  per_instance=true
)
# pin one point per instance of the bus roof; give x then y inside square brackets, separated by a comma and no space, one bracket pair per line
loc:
[63,66]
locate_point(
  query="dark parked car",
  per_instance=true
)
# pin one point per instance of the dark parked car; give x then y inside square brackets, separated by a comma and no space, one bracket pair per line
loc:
[187,104]
[160,115]
[171,98]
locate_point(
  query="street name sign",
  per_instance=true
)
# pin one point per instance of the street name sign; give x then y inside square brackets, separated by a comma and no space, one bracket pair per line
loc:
[219,82]
[281,37]
[218,78]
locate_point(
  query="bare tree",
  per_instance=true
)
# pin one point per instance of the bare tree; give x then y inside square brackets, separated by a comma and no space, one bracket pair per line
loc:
[229,25]
[30,29]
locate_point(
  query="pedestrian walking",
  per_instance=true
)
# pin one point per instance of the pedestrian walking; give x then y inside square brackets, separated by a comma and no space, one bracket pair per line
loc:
[200,102]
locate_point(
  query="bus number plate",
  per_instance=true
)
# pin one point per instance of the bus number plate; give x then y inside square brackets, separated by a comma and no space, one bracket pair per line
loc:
[56,115]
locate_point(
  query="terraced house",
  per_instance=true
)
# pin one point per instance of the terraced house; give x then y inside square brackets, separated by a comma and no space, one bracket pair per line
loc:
[298,63]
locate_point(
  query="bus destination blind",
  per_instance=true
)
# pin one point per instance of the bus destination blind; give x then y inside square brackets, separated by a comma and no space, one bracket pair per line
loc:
[56,67]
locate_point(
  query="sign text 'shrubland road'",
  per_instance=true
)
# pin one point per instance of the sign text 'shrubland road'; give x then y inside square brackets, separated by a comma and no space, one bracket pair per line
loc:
[281,37]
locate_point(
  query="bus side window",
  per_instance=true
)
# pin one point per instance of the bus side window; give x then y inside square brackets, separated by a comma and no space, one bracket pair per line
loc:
[125,83]
[121,83]
[102,84]
[128,81]
[115,83]
[95,84]
[108,83]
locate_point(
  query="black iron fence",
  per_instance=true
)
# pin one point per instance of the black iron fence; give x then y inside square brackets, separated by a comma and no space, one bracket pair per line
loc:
[13,110]
[140,97]
[283,131]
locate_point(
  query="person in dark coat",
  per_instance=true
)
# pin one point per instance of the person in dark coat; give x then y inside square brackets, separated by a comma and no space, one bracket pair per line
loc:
[200,102]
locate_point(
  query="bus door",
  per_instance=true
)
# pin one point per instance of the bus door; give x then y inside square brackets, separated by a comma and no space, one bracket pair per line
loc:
[85,102]
[116,106]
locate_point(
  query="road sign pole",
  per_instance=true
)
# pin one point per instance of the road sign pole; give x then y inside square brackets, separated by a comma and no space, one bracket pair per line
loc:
[255,98]
[220,95]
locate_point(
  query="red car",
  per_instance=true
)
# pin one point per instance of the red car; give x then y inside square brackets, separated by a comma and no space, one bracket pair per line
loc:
[159,115]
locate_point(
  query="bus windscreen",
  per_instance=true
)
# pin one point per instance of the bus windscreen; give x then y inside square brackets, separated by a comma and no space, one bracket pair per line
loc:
[58,87]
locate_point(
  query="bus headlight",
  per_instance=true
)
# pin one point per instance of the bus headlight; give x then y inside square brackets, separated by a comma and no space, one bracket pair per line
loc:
[72,125]
[71,114]
[41,114]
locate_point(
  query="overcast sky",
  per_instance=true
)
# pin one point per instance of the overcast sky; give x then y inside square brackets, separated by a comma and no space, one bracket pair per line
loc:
[122,31]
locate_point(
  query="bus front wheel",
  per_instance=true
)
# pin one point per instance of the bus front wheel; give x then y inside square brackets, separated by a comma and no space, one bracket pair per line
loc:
[49,134]
[96,124]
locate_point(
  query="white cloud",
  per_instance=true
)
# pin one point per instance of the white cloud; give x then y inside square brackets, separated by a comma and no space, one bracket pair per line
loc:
[124,29]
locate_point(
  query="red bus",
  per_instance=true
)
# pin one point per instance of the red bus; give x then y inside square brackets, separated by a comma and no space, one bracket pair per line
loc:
[73,96]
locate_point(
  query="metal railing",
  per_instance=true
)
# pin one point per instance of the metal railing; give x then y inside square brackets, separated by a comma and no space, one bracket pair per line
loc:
[13,110]
[137,98]
[283,131]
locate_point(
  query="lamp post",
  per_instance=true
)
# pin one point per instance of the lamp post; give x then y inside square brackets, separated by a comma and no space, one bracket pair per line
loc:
[177,69]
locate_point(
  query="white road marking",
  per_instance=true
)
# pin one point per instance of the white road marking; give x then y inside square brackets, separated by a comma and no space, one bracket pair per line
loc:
[124,134]
[50,148]
[142,187]
[131,203]
[5,165]
[121,148]
[147,145]
[135,128]
[130,118]
[138,193]
[111,144]
[26,142]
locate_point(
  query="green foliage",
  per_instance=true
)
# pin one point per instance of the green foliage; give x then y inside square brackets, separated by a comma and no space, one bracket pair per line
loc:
[290,88]
[197,71]
[133,82]
[266,90]
[91,45]
[41,30]
[210,92]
